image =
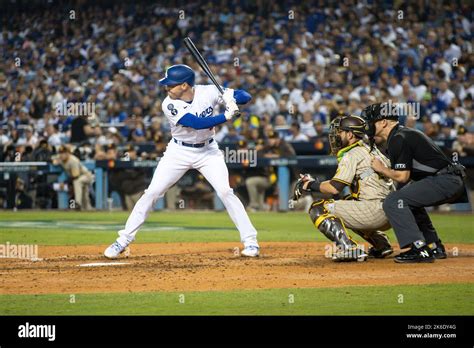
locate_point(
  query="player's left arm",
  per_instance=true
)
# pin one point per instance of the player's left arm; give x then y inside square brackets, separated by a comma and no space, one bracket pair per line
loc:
[309,184]
[345,173]
[241,96]
[331,187]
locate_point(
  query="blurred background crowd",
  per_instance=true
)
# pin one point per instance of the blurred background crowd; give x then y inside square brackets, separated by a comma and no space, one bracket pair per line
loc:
[303,62]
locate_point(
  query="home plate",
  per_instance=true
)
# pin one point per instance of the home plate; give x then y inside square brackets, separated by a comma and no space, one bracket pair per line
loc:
[101,264]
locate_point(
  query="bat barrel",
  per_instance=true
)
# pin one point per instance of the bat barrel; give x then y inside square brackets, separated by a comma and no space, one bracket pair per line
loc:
[202,62]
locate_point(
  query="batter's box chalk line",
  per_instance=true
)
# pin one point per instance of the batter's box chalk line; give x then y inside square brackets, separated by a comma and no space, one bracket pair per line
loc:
[103,264]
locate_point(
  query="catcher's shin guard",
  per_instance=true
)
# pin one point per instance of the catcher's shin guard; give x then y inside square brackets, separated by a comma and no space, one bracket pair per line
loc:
[330,225]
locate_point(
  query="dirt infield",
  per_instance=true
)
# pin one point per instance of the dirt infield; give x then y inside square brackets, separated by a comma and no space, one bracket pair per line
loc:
[214,266]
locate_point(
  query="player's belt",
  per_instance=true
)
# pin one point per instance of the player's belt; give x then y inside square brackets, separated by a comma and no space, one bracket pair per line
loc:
[198,145]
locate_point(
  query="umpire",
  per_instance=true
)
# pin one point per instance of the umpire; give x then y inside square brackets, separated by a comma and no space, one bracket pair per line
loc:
[427,176]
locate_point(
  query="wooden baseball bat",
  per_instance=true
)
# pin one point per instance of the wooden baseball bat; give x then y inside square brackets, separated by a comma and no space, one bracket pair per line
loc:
[202,62]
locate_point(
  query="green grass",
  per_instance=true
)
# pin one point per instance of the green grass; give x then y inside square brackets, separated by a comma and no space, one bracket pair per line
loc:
[77,228]
[444,299]
[82,228]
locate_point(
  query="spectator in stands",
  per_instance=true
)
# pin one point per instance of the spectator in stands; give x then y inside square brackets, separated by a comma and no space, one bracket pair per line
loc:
[307,125]
[4,139]
[318,125]
[154,132]
[81,130]
[427,58]
[24,116]
[232,135]
[43,153]
[285,107]
[306,104]
[295,134]
[445,95]
[464,145]
[431,129]
[54,138]
[138,134]
[265,102]
[395,89]
[10,154]
[29,137]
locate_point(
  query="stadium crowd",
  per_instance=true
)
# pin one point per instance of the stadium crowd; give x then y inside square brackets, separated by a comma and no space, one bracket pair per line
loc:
[303,64]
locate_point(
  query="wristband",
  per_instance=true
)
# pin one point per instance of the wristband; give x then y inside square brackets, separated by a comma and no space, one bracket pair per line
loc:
[315,186]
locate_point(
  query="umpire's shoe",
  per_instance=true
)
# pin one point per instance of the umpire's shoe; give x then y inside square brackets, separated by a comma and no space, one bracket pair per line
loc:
[438,249]
[416,255]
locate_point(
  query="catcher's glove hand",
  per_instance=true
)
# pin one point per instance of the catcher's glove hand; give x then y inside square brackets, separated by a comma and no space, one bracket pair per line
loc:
[302,185]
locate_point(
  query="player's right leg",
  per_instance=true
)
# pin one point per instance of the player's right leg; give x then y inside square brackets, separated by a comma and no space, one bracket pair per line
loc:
[429,232]
[333,228]
[172,166]
[212,166]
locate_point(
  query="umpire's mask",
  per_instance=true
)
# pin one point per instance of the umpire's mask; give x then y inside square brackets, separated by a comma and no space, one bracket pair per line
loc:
[374,113]
[348,123]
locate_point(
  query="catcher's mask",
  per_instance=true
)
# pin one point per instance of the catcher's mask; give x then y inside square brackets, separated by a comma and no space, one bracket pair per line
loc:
[349,123]
[373,113]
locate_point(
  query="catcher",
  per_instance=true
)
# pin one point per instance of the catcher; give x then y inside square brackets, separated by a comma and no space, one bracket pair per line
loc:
[362,191]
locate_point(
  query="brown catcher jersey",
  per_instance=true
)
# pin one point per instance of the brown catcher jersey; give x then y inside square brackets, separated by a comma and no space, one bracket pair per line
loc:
[354,170]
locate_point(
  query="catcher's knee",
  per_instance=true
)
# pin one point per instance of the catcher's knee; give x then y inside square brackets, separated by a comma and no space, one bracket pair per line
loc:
[330,225]
[318,211]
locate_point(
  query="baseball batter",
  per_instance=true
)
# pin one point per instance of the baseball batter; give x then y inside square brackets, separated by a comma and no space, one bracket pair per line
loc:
[190,112]
[361,209]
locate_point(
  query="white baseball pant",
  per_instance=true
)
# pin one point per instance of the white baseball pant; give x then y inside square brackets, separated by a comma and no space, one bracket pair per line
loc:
[176,161]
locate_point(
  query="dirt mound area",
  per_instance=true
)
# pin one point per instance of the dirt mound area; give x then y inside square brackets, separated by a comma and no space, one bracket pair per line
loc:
[216,266]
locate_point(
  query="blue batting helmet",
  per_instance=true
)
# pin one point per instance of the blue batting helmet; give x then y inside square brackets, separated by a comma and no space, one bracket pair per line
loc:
[178,74]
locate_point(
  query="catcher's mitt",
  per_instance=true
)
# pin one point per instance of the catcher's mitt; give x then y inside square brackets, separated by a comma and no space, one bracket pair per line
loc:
[302,185]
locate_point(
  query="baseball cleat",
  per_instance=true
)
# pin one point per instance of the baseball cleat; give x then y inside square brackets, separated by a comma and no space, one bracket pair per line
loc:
[113,251]
[250,251]
[415,255]
[438,249]
[352,254]
[380,253]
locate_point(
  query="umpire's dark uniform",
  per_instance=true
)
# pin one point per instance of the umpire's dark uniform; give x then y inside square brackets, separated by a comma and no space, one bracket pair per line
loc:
[435,181]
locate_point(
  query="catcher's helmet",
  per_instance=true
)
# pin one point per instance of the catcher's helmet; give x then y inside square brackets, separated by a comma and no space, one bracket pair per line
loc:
[178,74]
[374,113]
[348,123]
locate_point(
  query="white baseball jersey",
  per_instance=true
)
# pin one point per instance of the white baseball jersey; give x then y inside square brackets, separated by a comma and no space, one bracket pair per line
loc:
[178,159]
[206,99]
